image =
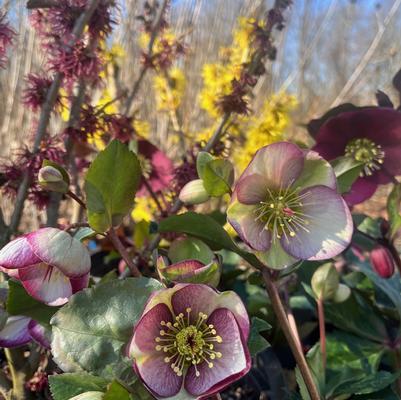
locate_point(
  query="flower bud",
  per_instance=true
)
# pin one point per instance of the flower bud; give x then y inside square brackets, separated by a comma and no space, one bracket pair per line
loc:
[190,249]
[194,193]
[382,261]
[189,271]
[342,294]
[325,282]
[52,179]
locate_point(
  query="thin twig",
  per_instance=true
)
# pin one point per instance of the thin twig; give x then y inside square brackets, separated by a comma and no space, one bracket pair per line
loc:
[367,56]
[32,4]
[45,118]
[144,68]
[279,311]
[123,252]
[153,195]
[76,198]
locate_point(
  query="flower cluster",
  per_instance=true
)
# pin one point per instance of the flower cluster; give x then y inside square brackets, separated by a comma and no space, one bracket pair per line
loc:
[170,89]
[6,38]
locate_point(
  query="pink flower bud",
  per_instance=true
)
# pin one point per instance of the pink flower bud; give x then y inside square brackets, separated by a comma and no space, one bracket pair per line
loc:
[382,262]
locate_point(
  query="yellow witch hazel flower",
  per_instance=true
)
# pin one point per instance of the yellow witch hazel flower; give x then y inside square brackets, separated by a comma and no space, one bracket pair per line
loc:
[266,128]
[169,89]
[217,77]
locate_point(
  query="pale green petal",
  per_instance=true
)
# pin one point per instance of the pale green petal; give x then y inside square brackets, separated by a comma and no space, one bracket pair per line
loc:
[276,257]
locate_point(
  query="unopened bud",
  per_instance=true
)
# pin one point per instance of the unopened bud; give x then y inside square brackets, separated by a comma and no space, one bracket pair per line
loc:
[194,193]
[325,282]
[52,179]
[342,294]
[382,262]
[190,249]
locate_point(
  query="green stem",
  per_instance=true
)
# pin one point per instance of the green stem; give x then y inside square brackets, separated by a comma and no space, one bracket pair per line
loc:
[322,331]
[18,376]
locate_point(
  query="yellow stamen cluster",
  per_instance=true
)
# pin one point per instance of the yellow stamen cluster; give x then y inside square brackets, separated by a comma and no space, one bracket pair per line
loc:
[368,152]
[188,342]
[282,212]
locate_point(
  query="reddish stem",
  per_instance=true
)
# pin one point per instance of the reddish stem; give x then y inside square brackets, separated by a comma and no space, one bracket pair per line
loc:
[322,331]
[76,198]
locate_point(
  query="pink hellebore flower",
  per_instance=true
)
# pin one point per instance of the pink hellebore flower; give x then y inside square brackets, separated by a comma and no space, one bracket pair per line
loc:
[50,264]
[191,342]
[285,207]
[369,135]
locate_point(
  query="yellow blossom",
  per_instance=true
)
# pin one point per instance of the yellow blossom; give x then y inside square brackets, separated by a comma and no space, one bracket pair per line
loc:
[169,89]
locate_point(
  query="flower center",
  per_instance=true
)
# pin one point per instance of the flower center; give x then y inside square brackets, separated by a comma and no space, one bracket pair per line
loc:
[367,152]
[282,212]
[188,343]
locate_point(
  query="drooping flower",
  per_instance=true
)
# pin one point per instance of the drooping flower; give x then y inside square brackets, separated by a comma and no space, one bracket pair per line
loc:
[286,208]
[157,168]
[20,330]
[50,264]
[195,338]
[369,135]
[382,262]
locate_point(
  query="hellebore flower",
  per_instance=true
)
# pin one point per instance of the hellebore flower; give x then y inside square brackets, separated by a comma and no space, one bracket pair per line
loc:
[382,261]
[157,168]
[369,135]
[50,264]
[285,207]
[191,340]
[20,330]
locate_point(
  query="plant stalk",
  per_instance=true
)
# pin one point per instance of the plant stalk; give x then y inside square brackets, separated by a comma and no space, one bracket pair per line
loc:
[279,311]
[322,331]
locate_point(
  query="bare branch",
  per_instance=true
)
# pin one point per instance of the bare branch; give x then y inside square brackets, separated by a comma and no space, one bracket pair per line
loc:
[33,4]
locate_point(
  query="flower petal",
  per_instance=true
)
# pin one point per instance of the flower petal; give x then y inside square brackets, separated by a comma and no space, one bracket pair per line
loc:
[234,363]
[15,333]
[361,190]
[18,254]
[39,334]
[251,189]
[329,226]
[147,330]
[46,284]
[158,376]
[58,248]
[202,298]
[316,171]
[80,283]
[276,257]
[250,230]
[279,163]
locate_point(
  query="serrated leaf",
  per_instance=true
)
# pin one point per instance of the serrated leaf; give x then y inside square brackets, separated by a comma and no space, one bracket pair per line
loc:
[116,391]
[20,303]
[256,342]
[218,176]
[393,209]
[91,332]
[66,386]
[110,186]
[347,171]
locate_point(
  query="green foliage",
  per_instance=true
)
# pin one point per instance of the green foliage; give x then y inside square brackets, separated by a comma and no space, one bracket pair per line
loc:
[347,171]
[393,209]
[256,342]
[20,303]
[218,176]
[91,332]
[110,186]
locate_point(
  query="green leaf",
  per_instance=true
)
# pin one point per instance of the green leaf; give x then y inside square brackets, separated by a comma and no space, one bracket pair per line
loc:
[65,386]
[84,233]
[201,161]
[347,171]
[89,396]
[110,186]
[218,176]
[393,209]
[91,332]
[20,303]
[116,391]
[256,342]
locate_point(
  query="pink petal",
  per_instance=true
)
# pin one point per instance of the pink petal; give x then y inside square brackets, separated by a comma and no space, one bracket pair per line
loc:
[202,298]
[361,190]
[329,226]
[279,163]
[58,248]
[40,334]
[15,333]
[18,254]
[10,272]
[46,284]
[80,283]
[252,189]
[234,363]
[147,330]
[158,376]
[252,231]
